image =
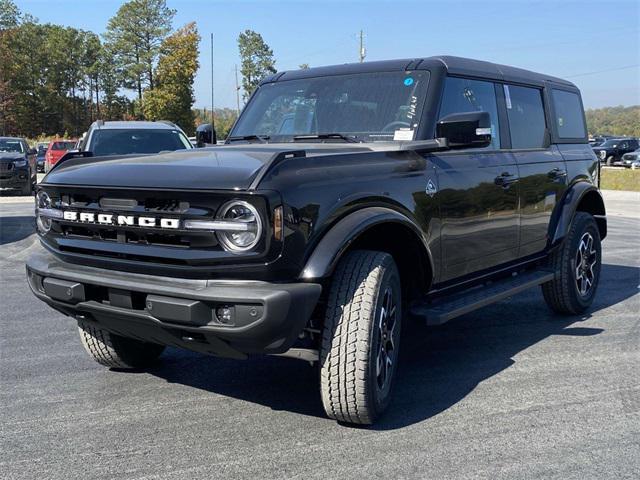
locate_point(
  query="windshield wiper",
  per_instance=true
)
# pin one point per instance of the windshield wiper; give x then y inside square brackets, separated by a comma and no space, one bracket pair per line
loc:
[323,136]
[260,138]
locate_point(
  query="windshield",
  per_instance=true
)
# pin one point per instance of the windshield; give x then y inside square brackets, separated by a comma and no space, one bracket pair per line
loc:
[11,146]
[377,106]
[125,141]
[610,143]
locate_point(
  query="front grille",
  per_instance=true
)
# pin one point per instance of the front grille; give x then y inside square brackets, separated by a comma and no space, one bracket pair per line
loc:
[6,166]
[143,244]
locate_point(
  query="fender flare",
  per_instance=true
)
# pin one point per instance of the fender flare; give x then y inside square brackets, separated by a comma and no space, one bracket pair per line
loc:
[340,236]
[562,218]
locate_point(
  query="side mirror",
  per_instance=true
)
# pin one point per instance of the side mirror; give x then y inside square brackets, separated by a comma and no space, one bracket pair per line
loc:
[205,134]
[465,130]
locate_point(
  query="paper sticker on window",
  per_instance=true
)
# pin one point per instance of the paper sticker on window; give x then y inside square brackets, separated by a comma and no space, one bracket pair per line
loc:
[403,134]
[507,97]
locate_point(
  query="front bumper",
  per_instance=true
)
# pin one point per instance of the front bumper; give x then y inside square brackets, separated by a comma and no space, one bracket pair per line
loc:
[266,317]
[16,178]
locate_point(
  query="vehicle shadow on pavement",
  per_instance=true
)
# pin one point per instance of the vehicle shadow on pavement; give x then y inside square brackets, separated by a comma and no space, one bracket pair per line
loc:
[439,366]
[14,229]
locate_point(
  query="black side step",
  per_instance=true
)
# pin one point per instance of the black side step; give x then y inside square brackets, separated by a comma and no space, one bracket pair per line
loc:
[443,310]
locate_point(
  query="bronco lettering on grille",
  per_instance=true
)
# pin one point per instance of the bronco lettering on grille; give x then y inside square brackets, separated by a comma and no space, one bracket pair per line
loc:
[121,220]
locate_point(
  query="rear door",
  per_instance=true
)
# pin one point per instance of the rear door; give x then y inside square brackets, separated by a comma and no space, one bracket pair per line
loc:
[477,189]
[543,173]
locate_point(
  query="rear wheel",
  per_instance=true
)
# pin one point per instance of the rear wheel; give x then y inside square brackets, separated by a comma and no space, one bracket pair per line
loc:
[115,351]
[610,160]
[361,337]
[577,268]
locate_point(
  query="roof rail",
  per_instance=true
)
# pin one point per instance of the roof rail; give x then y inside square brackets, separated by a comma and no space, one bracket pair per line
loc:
[167,122]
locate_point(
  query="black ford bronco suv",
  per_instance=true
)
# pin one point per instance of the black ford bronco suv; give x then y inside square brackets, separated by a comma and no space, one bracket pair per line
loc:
[345,200]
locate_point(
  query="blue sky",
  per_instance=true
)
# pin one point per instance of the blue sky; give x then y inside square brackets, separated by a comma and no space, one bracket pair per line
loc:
[594,44]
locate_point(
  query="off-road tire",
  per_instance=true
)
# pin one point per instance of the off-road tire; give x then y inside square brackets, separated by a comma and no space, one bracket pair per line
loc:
[351,339]
[610,160]
[562,294]
[115,351]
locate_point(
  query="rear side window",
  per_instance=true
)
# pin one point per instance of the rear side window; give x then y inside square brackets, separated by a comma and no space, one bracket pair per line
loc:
[463,95]
[568,114]
[526,116]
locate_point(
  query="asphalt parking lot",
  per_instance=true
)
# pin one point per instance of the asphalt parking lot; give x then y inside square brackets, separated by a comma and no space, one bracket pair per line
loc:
[510,391]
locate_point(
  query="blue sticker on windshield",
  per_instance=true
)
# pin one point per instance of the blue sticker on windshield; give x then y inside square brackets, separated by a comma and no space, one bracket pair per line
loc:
[408,81]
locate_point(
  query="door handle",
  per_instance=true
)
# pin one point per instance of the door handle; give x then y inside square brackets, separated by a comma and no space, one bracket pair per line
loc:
[505,180]
[557,173]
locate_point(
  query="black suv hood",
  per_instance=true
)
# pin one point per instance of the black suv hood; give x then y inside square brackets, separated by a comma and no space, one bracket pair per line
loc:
[217,168]
[211,168]
[11,156]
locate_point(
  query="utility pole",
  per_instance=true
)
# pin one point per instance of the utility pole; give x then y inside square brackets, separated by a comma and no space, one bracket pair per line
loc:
[213,124]
[363,51]
[237,93]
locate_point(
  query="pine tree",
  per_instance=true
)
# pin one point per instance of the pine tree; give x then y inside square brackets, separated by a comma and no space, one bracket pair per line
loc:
[256,61]
[172,98]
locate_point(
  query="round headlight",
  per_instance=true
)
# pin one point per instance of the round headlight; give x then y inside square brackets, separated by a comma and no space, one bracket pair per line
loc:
[249,224]
[43,201]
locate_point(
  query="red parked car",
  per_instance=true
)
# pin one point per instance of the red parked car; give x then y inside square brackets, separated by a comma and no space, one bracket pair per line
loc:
[55,151]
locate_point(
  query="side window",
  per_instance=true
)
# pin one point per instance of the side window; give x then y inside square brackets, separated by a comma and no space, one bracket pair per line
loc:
[463,95]
[526,116]
[568,114]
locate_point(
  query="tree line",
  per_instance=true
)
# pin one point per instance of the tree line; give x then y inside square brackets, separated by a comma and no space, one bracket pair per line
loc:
[623,121]
[56,80]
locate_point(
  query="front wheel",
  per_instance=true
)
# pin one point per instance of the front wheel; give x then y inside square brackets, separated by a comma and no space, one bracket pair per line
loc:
[116,351]
[577,265]
[27,189]
[361,337]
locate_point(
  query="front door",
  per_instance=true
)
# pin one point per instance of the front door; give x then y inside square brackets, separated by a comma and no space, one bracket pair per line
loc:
[477,190]
[478,198]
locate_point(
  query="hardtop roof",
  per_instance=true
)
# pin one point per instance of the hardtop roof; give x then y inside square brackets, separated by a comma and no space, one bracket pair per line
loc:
[453,65]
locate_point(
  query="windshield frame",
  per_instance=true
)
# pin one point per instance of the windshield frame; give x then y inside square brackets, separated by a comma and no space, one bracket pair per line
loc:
[415,122]
[12,141]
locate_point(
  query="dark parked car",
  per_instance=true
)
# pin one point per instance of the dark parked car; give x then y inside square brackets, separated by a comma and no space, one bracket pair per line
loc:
[17,165]
[630,160]
[135,137]
[613,149]
[598,140]
[344,198]
[41,155]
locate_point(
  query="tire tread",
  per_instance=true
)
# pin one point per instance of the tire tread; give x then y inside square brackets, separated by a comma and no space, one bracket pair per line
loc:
[345,339]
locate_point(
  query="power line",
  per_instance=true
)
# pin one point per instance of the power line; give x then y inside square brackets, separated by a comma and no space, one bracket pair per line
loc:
[602,71]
